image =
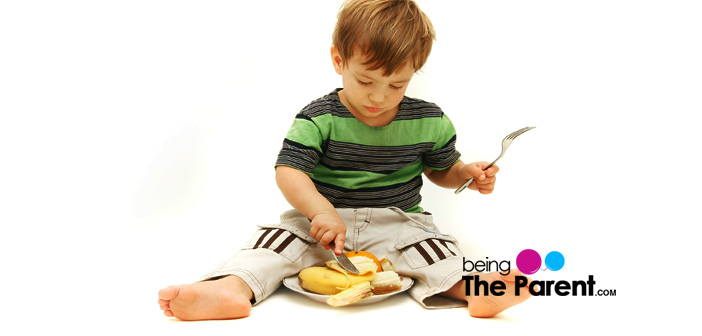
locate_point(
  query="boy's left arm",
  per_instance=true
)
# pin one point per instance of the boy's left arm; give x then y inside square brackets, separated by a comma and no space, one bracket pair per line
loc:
[459,173]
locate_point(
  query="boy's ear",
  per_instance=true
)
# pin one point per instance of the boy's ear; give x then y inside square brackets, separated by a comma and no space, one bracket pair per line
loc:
[336,59]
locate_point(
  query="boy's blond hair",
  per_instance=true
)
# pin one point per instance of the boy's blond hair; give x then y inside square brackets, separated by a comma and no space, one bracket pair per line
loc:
[389,33]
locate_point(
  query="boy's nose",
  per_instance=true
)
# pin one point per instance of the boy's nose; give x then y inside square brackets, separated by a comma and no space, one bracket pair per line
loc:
[377,96]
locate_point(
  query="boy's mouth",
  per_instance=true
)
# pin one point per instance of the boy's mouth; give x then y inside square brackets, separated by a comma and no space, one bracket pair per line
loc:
[373,109]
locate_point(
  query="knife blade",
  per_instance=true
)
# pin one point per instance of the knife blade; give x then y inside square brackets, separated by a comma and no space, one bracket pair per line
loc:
[343,260]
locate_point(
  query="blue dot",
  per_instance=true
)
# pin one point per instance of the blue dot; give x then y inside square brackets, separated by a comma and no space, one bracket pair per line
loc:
[554,261]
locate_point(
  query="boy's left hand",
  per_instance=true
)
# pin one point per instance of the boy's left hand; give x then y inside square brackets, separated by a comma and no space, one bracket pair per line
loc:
[484,180]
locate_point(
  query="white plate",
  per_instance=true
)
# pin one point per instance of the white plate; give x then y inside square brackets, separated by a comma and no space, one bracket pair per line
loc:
[293,283]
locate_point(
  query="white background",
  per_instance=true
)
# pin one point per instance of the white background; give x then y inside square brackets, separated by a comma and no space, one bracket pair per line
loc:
[137,143]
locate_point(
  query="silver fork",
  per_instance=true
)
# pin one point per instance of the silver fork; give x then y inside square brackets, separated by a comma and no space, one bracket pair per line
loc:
[505,143]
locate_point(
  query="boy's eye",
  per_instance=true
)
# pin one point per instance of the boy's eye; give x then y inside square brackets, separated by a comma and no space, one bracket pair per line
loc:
[396,87]
[363,83]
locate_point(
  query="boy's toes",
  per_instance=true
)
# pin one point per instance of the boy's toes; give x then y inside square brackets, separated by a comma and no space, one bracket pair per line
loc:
[164,299]
[168,294]
[164,304]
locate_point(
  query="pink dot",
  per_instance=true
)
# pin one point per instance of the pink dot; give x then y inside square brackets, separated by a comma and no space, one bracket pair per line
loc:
[528,261]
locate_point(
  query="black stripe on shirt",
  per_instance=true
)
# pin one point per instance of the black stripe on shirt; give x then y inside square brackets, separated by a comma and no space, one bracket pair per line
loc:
[376,159]
[403,195]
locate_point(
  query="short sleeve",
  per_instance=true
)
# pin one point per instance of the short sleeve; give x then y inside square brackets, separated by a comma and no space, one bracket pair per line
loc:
[444,154]
[302,147]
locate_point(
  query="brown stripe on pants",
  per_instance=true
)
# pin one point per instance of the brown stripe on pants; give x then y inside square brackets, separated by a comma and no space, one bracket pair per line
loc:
[263,236]
[285,243]
[273,238]
[436,249]
[424,253]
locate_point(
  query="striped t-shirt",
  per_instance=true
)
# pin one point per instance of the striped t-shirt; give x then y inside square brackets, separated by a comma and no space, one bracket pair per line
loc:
[355,165]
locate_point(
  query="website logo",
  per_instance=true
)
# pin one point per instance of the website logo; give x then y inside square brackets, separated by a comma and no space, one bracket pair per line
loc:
[529,261]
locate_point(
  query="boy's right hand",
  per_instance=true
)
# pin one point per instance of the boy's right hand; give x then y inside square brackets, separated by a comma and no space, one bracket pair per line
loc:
[328,227]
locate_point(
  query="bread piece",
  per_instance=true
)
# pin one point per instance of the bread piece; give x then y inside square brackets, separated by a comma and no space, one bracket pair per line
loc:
[386,282]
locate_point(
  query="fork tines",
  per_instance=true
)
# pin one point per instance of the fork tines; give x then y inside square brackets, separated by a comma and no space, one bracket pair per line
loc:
[518,132]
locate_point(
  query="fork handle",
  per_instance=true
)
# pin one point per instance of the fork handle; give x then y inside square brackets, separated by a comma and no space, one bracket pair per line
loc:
[465,185]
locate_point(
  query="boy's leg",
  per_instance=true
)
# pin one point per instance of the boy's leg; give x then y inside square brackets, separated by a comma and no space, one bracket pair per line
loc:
[434,260]
[255,272]
[489,305]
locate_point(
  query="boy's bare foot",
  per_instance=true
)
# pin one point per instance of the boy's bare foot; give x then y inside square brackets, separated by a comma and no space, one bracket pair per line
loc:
[225,298]
[490,305]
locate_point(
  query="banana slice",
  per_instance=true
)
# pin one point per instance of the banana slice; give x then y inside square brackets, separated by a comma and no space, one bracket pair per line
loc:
[351,295]
[364,265]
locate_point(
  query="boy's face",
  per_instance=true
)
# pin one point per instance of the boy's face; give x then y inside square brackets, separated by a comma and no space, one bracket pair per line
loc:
[372,98]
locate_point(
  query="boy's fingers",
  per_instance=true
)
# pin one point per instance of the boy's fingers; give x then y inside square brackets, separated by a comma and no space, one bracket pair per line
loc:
[492,171]
[488,182]
[476,170]
[319,235]
[485,191]
[339,244]
[326,238]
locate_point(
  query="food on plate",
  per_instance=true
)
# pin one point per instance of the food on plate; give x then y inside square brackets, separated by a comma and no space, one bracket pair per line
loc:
[375,277]
[386,264]
[364,265]
[351,295]
[367,255]
[328,281]
[386,282]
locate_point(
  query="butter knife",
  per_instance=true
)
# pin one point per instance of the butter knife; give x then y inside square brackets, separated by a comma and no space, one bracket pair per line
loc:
[343,260]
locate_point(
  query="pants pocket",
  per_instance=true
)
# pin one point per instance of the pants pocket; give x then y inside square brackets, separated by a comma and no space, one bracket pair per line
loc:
[290,239]
[420,248]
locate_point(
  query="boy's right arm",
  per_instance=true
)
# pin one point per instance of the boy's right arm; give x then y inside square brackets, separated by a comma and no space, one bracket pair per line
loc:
[300,192]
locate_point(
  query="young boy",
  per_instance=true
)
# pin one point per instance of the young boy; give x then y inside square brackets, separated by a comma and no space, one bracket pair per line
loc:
[351,167]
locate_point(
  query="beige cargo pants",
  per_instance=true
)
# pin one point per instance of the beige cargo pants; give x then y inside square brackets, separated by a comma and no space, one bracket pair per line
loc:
[411,241]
